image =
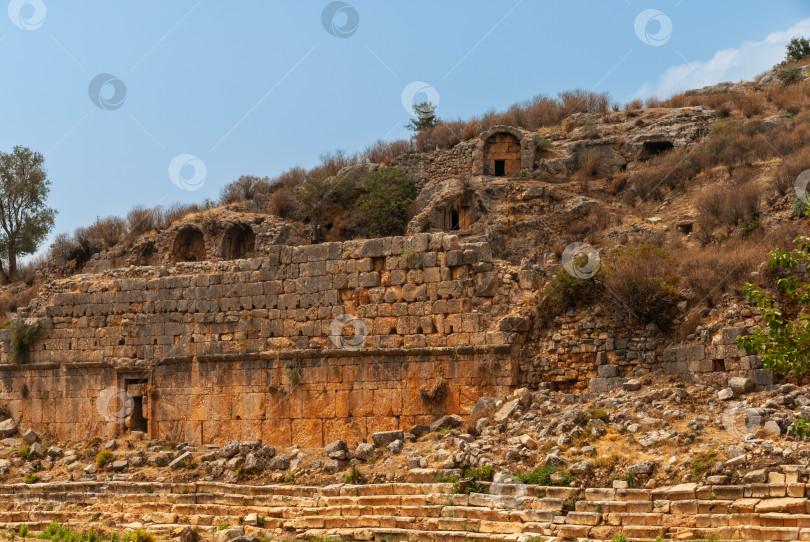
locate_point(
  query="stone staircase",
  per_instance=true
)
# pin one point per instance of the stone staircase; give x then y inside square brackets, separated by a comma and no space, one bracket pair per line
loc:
[415,512]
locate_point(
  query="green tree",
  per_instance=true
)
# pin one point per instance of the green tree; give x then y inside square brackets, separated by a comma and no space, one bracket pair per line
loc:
[386,194]
[25,219]
[782,341]
[425,117]
[798,49]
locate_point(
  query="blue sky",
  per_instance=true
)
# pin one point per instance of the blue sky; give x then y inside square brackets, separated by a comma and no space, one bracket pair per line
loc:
[258,87]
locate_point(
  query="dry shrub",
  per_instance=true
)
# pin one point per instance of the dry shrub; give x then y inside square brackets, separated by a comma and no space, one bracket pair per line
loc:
[591,162]
[598,219]
[282,203]
[471,129]
[141,220]
[726,207]
[634,105]
[383,152]
[640,282]
[668,170]
[109,231]
[584,101]
[714,270]
[793,164]
[444,135]
[787,138]
[290,178]
[653,101]
[617,182]
[175,213]
[332,163]
[750,103]
[13,298]
[246,187]
[792,98]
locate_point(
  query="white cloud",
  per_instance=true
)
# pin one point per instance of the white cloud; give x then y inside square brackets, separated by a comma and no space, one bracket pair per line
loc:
[744,62]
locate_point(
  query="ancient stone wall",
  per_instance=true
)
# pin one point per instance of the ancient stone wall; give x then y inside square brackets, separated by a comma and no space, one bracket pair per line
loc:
[587,352]
[438,165]
[227,236]
[304,345]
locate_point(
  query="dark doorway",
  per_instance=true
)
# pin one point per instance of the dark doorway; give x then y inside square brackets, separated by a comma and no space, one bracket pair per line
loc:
[189,246]
[136,389]
[454,220]
[137,422]
[238,242]
[654,148]
[500,168]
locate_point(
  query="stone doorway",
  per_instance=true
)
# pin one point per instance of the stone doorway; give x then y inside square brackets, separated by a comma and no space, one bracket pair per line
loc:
[502,155]
[138,420]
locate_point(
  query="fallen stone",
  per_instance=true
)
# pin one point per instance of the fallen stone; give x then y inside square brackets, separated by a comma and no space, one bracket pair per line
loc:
[725,394]
[119,465]
[445,422]
[364,451]
[7,428]
[632,385]
[180,459]
[419,430]
[758,476]
[771,427]
[384,438]
[29,437]
[643,468]
[279,462]
[331,466]
[337,450]
[111,445]
[740,385]
[506,411]
[226,535]
[395,447]
[230,449]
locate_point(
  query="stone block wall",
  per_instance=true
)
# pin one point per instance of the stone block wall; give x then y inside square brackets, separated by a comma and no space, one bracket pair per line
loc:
[304,344]
[587,352]
[438,165]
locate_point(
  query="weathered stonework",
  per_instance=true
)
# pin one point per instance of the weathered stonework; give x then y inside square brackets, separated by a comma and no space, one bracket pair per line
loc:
[217,350]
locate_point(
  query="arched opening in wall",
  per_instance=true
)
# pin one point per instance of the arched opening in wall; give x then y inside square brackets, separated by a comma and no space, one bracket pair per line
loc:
[189,246]
[238,242]
[502,155]
[654,148]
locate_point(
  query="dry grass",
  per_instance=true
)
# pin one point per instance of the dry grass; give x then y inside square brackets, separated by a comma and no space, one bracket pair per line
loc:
[282,203]
[726,207]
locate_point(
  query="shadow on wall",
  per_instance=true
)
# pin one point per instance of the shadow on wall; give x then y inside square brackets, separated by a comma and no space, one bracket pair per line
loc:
[189,246]
[238,242]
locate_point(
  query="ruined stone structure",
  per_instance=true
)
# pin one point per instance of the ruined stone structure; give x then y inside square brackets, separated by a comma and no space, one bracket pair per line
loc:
[226,236]
[212,351]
